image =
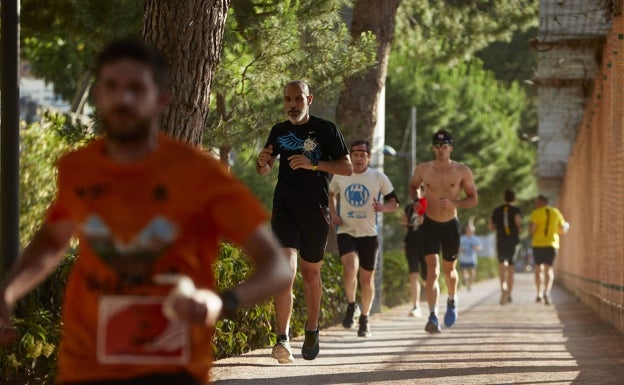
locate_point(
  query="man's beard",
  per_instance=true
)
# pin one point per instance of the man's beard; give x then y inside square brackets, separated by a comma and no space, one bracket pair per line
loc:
[134,133]
[298,118]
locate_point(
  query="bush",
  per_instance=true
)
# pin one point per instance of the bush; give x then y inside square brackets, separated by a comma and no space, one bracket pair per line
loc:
[32,359]
[252,327]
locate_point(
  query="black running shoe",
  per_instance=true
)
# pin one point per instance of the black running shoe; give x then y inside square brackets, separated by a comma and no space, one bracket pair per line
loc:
[310,347]
[353,311]
[364,330]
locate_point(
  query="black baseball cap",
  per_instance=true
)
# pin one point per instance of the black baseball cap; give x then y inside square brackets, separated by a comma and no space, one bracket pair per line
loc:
[442,137]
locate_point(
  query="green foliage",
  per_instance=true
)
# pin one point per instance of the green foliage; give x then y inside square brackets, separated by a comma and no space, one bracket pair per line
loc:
[250,327]
[262,186]
[487,268]
[41,144]
[253,327]
[32,359]
[395,280]
[60,38]
[449,31]
[516,61]
[268,43]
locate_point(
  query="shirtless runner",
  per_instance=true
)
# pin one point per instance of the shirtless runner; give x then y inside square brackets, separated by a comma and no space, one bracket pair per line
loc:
[444,181]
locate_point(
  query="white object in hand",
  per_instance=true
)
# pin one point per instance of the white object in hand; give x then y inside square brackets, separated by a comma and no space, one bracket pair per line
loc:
[184,288]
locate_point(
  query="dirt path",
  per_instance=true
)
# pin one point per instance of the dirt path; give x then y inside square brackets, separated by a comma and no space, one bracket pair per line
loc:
[521,343]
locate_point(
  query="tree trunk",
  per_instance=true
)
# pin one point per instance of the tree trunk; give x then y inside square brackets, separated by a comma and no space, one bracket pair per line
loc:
[190,34]
[82,93]
[356,112]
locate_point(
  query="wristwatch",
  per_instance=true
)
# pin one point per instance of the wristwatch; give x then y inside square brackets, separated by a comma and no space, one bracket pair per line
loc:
[315,165]
[230,303]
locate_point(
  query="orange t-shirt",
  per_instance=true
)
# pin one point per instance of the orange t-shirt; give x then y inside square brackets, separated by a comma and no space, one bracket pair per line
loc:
[164,214]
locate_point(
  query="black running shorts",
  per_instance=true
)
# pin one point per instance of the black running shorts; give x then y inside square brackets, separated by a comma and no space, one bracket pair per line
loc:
[302,227]
[506,250]
[544,255]
[365,247]
[441,236]
[415,254]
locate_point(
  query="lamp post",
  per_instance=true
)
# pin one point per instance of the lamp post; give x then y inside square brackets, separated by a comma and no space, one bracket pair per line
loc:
[9,136]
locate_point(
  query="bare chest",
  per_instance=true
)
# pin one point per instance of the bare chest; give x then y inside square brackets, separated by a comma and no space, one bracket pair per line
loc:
[442,181]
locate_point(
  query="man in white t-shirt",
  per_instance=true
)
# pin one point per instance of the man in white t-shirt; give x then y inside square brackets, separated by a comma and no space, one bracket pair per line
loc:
[356,217]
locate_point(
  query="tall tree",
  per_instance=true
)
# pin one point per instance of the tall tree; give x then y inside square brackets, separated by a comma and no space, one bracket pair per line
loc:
[449,31]
[190,34]
[268,43]
[60,39]
[356,112]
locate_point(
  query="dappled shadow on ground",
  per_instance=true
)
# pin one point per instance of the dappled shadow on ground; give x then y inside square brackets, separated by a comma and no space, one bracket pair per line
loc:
[522,343]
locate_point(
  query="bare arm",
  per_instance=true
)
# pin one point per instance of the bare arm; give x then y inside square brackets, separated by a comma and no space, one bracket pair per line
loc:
[265,162]
[340,166]
[386,207]
[36,262]
[470,190]
[415,181]
[272,274]
[333,213]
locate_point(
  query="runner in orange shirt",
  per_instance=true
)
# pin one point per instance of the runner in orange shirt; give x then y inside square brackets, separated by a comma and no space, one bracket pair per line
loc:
[149,213]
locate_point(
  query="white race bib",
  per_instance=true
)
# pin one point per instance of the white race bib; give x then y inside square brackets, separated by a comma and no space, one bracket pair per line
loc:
[134,330]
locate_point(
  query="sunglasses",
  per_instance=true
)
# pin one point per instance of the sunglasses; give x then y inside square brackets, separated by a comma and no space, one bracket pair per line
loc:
[441,145]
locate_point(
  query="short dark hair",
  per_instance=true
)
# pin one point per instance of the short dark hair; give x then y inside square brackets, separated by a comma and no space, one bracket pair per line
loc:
[136,50]
[358,142]
[542,198]
[510,196]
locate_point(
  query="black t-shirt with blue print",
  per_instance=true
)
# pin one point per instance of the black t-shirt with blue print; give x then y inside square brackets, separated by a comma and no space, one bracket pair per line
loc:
[318,140]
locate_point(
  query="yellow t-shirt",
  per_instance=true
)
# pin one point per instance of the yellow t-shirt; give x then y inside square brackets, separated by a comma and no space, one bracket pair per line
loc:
[548,221]
[164,214]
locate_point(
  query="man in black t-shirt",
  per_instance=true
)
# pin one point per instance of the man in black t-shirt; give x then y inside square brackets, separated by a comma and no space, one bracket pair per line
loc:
[310,150]
[506,220]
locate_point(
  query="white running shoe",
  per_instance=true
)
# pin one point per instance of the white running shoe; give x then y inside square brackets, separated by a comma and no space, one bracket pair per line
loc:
[415,312]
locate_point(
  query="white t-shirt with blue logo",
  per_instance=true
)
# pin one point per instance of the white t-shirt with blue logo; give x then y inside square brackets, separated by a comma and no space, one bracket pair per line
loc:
[356,200]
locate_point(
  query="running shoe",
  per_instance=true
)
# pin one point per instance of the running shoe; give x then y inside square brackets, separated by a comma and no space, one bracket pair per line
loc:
[281,351]
[433,326]
[546,299]
[415,312]
[364,330]
[310,347]
[353,311]
[451,313]
[504,297]
[538,299]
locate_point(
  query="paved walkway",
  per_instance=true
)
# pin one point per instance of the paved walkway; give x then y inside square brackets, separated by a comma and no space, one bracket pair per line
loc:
[521,343]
